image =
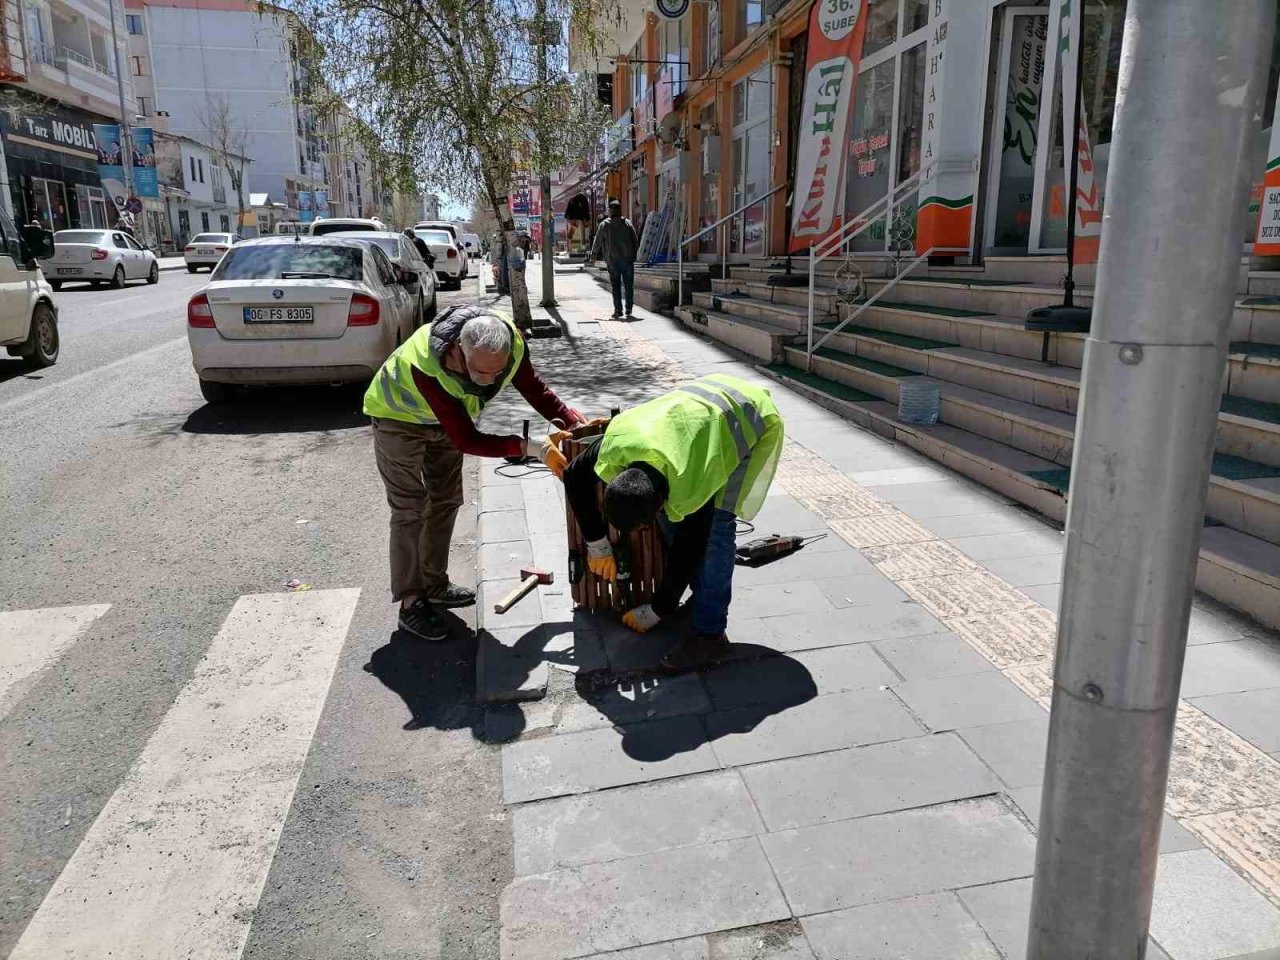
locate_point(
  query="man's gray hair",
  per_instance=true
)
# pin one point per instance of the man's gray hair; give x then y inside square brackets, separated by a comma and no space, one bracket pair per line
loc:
[486,333]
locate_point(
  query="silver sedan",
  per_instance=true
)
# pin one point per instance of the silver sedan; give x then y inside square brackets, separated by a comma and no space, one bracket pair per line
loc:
[97,257]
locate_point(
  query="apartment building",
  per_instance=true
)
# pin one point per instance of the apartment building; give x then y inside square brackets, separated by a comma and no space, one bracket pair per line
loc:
[189,59]
[196,190]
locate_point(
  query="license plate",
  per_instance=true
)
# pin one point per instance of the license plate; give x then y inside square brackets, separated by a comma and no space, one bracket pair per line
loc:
[203,251]
[279,314]
[69,271]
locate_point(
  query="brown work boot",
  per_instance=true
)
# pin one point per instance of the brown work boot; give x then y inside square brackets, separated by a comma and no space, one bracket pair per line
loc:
[700,650]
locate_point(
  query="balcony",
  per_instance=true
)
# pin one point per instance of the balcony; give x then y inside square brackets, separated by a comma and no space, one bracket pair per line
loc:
[56,68]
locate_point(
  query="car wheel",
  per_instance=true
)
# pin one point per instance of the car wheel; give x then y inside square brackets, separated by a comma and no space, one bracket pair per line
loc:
[191,268]
[154,275]
[56,284]
[41,348]
[117,278]
[215,392]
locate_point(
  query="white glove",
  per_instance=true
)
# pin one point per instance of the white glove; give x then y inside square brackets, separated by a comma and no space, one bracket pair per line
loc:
[642,619]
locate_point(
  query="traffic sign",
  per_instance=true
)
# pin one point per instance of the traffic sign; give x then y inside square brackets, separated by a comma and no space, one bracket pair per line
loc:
[133,205]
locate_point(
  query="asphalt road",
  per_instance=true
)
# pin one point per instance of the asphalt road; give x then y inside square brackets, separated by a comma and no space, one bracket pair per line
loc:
[119,486]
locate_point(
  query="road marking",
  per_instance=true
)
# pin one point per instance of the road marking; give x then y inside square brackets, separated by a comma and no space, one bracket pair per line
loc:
[175,863]
[32,640]
[40,392]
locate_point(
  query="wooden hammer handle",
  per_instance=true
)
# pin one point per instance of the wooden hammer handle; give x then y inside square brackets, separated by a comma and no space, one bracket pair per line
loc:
[516,595]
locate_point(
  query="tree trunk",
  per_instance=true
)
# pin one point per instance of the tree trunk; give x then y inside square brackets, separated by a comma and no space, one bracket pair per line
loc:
[520,310]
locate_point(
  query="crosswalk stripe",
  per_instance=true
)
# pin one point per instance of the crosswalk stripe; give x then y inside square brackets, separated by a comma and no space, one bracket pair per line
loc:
[31,642]
[175,863]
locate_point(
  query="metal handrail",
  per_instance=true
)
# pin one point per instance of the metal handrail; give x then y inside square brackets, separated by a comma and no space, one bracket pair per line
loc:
[724,247]
[66,53]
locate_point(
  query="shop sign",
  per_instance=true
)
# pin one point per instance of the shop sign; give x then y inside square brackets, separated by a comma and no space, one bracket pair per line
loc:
[618,139]
[306,210]
[836,29]
[1088,230]
[58,131]
[1266,242]
[671,9]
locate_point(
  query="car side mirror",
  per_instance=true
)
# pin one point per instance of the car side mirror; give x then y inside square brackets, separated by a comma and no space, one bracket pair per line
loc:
[408,278]
[37,243]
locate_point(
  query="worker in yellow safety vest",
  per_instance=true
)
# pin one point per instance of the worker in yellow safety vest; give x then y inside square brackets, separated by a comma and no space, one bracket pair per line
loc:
[695,459]
[423,404]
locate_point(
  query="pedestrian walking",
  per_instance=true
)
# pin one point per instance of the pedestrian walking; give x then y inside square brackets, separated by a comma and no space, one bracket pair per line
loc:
[423,404]
[696,459]
[617,245]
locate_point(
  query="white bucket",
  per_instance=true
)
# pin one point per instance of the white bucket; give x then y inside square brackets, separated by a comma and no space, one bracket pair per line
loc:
[918,402]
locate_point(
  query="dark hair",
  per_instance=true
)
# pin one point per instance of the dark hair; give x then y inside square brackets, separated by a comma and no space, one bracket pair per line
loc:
[615,203]
[634,496]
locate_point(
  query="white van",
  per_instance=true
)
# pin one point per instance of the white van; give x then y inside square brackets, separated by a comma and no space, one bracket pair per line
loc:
[28,315]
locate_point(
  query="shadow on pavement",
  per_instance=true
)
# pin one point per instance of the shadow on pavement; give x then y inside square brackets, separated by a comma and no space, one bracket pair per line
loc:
[259,410]
[15,368]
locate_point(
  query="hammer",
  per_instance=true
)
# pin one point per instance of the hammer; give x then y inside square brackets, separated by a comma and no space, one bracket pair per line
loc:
[530,578]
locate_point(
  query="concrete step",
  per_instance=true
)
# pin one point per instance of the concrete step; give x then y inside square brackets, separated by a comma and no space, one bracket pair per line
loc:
[792,318]
[760,339]
[1236,568]
[1253,371]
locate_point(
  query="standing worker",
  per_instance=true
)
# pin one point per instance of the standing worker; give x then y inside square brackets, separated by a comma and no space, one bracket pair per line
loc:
[703,454]
[424,403]
[617,245]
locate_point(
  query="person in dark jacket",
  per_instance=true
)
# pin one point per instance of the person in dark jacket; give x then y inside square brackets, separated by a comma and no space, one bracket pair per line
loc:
[617,245]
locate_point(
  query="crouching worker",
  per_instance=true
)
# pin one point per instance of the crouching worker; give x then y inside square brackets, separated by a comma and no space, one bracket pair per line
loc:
[701,456]
[424,403]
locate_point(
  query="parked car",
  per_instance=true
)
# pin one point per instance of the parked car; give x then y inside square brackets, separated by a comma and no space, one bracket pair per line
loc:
[298,310]
[456,234]
[291,228]
[99,256]
[28,315]
[320,228]
[404,255]
[206,249]
[471,242]
[449,256]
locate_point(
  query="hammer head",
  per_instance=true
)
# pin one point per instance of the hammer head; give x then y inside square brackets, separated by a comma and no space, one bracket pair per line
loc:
[544,576]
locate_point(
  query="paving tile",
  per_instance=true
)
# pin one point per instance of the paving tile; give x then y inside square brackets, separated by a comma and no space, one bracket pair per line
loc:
[1253,714]
[1047,595]
[875,588]
[647,899]
[771,941]
[783,513]
[507,496]
[759,733]
[880,529]
[1230,667]
[1213,623]
[596,759]
[951,487]
[633,700]
[502,525]
[1011,636]
[1203,910]
[526,613]
[1174,837]
[860,624]
[1015,751]
[979,699]
[964,594]
[630,821]
[1028,571]
[933,927]
[777,599]
[803,565]
[913,561]
[1003,546]
[1214,769]
[1003,910]
[503,559]
[896,476]
[510,664]
[931,656]
[897,855]
[861,781]
[1000,520]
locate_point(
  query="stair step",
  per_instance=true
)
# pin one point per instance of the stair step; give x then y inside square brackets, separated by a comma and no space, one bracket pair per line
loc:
[762,340]
[1235,567]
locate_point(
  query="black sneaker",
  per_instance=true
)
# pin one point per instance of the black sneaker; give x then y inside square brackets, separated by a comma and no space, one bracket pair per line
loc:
[628,314]
[421,620]
[617,315]
[453,596]
[700,650]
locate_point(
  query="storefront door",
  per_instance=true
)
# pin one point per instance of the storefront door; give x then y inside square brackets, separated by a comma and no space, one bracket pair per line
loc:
[50,199]
[751,155]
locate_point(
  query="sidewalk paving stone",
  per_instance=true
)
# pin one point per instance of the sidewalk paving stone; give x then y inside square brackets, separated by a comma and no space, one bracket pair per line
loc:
[1007,520]
[1230,667]
[952,703]
[757,734]
[785,514]
[895,476]
[860,624]
[502,525]
[598,759]
[646,899]
[494,497]
[898,855]
[1015,751]
[932,656]
[776,599]
[526,613]
[1047,595]
[631,821]
[933,927]
[796,677]
[1254,714]
[1003,546]
[863,781]
[1028,571]
[503,559]
[1174,837]
[803,565]
[634,700]
[1203,910]
[773,941]
[875,588]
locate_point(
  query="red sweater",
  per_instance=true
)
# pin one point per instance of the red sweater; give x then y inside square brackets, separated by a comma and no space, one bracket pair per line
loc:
[457,422]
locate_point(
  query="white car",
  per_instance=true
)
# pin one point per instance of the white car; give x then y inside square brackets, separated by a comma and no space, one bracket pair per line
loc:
[28,315]
[455,234]
[403,254]
[346,225]
[450,259]
[471,243]
[98,257]
[298,310]
[206,249]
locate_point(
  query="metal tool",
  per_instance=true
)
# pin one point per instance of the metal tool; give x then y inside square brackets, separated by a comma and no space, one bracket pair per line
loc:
[775,545]
[523,458]
[530,578]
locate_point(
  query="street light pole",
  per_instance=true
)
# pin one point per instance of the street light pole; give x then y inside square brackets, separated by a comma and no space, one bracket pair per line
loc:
[548,216]
[126,141]
[1192,75]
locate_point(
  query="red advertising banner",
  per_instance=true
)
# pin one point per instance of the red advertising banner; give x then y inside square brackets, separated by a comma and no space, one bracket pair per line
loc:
[836,29]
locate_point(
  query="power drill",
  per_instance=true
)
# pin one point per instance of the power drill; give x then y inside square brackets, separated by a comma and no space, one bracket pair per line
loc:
[777,545]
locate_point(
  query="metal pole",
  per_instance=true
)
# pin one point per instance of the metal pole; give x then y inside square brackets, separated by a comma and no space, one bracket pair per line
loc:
[548,216]
[808,350]
[679,266]
[1191,74]
[126,144]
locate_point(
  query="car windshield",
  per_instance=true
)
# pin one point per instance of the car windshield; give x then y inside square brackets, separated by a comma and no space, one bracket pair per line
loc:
[209,238]
[80,236]
[434,236]
[280,261]
[320,229]
[390,245]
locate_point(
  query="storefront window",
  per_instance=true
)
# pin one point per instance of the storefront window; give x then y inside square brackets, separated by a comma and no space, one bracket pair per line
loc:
[751,154]
[675,53]
[637,194]
[915,16]
[639,72]
[882,25]
[710,200]
[1027,37]
[711,52]
[750,16]
[1261,142]
[49,200]
[92,205]
[870,149]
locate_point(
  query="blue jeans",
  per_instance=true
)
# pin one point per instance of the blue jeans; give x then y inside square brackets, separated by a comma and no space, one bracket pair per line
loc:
[622,281]
[713,584]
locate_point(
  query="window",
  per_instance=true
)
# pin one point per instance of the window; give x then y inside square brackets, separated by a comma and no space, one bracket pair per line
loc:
[271,261]
[133,22]
[752,160]
[193,168]
[385,271]
[144,107]
[711,52]
[138,66]
[204,219]
[639,72]
[119,240]
[200,167]
[226,223]
[674,52]
[882,25]
[751,15]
